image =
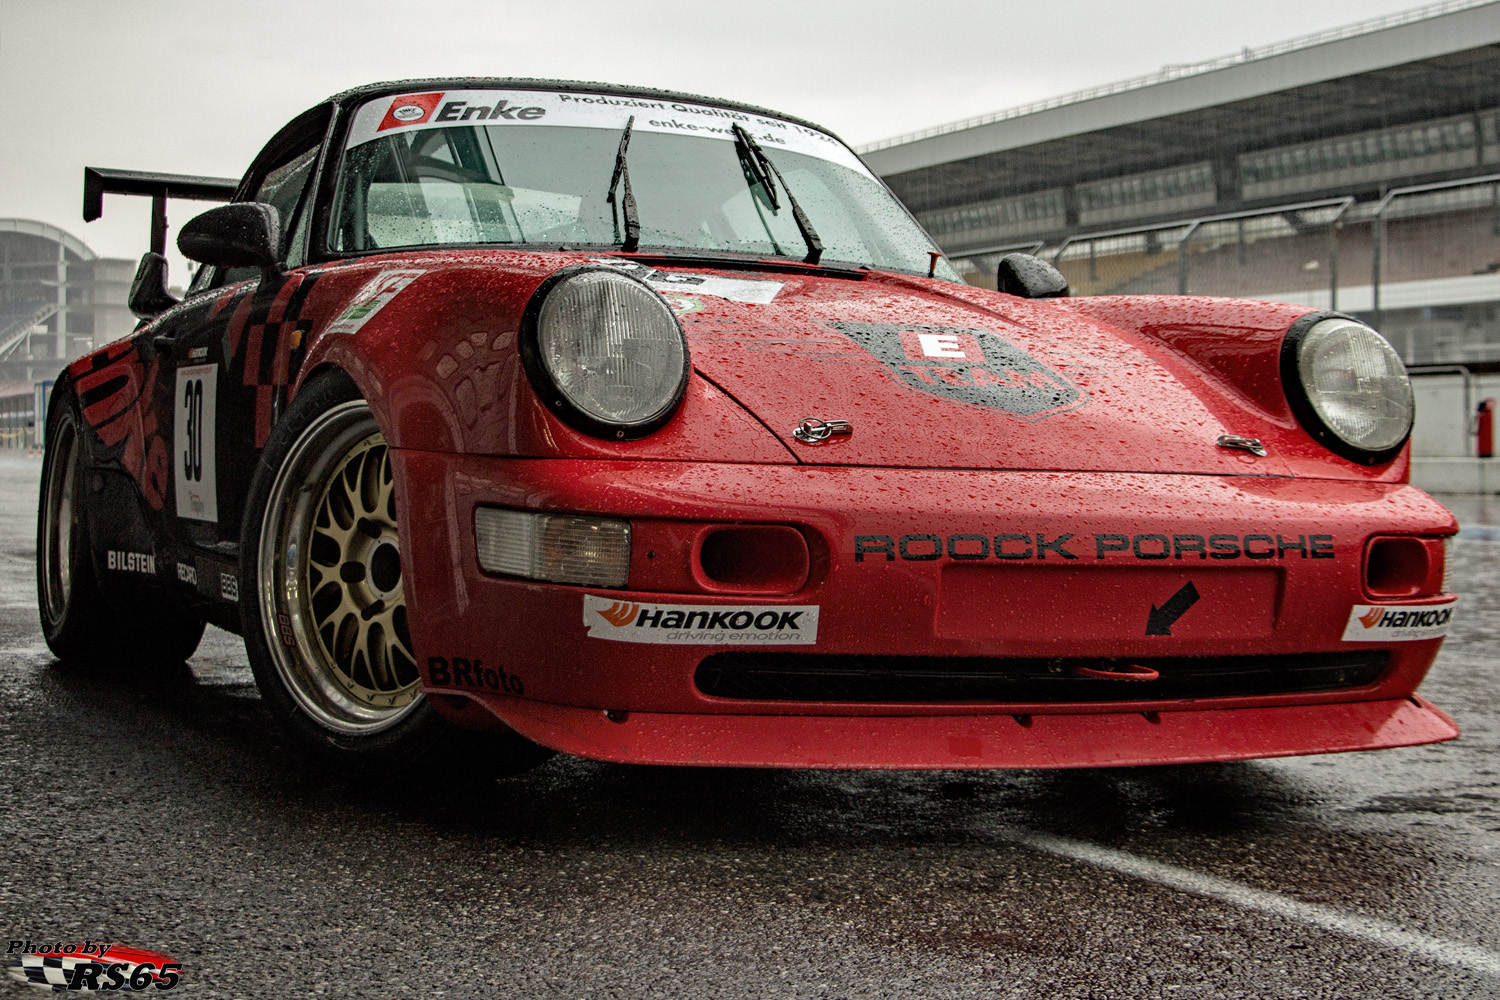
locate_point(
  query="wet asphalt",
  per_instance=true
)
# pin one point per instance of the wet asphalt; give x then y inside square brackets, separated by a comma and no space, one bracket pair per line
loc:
[167,813]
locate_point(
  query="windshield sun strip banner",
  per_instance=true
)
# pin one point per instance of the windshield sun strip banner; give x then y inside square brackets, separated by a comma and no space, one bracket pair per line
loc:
[442,109]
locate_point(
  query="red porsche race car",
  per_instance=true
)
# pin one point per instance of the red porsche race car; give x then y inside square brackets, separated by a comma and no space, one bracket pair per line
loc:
[652,428]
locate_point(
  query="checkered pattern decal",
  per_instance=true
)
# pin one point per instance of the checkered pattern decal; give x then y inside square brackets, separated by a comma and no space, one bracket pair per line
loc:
[263,346]
[265,349]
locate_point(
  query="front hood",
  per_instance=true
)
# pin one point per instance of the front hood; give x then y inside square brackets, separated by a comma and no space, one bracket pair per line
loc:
[934,376]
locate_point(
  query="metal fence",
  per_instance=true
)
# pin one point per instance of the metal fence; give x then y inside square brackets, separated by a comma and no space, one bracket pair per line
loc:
[1423,262]
[18,421]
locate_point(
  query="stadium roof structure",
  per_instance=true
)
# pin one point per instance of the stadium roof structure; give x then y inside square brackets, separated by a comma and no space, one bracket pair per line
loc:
[46,231]
[1442,59]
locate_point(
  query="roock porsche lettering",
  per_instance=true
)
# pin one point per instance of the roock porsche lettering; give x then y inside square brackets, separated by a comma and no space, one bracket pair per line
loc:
[131,562]
[1398,623]
[1017,545]
[974,367]
[459,671]
[700,624]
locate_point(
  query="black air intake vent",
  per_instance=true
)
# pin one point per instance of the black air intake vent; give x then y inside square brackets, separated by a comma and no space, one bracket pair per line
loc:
[937,679]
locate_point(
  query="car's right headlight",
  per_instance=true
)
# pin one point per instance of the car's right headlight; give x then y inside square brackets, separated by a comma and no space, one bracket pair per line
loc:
[605,352]
[1348,387]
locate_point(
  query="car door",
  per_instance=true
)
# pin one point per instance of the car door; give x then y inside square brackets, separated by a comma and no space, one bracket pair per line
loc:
[225,358]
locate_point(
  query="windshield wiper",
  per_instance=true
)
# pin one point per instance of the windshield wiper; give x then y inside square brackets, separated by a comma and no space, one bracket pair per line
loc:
[762,168]
[626,204]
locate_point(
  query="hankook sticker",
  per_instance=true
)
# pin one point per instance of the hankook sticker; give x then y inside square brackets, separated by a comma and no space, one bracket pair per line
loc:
[701,624]
[1398,622]
[371,299]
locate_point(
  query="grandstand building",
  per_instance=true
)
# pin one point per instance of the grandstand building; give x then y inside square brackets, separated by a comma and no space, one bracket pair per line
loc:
[1358,168]
[58,299]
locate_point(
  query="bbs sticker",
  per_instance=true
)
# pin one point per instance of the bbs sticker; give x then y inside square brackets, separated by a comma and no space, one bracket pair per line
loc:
[193,437]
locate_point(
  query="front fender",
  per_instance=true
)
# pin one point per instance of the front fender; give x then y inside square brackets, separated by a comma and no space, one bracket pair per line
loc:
[440,364]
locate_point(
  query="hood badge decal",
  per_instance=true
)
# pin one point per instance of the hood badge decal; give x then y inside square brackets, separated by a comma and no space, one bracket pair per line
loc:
[969,367]
[811,430]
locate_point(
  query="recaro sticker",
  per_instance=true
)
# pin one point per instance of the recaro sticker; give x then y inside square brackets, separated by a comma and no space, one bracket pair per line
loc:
[1398,622]
[194,436]
[974,367]
[374,297]
[701,624]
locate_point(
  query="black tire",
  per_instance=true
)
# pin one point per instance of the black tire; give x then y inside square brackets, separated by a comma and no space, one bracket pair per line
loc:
[79,620]
[333,660]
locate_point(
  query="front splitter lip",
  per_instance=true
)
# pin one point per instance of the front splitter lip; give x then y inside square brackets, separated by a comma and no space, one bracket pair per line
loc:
[926,742]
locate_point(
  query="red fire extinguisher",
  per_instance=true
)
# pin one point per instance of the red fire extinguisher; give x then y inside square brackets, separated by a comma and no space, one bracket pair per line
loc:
[1484,428]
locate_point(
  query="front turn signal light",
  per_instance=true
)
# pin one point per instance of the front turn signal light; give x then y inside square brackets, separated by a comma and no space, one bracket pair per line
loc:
[559,548]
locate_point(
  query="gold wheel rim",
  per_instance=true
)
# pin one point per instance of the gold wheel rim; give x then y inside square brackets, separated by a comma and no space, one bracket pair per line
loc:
[332,592]
[353,581]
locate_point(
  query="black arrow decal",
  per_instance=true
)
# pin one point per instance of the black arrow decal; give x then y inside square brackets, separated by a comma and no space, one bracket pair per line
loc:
[1161,620]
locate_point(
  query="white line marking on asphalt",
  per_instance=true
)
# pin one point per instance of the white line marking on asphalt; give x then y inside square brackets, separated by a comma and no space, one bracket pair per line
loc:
[1380,932]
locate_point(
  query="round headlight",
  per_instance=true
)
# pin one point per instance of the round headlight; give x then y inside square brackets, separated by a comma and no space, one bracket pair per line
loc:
[605,352]
[1348,387]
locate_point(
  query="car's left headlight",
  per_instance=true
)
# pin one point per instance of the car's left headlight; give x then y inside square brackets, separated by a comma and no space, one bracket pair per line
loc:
[605,352]
[1348,387]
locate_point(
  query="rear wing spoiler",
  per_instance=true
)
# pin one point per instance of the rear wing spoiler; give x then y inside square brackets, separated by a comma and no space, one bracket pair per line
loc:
[99,181]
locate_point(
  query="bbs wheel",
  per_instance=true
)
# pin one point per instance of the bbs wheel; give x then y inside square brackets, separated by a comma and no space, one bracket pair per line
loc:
[73,614]
[324,614]
[80,621]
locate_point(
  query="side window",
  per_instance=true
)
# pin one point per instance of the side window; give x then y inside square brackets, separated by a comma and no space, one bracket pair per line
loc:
[283,189]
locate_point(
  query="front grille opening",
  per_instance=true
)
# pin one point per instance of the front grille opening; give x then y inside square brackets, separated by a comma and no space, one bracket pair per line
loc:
[821,677]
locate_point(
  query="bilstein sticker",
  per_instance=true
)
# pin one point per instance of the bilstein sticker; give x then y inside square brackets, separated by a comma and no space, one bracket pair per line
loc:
[131,562]
[701,624]
[1398,622]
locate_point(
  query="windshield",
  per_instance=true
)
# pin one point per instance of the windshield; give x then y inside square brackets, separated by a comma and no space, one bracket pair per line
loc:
[535,167]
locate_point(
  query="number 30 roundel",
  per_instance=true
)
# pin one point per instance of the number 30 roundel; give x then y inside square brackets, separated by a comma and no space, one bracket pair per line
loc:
[193,434]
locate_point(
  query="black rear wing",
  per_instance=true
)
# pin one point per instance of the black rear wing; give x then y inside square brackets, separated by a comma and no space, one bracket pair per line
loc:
[99,181]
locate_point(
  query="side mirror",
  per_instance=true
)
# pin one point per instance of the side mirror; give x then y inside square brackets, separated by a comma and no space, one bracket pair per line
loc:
[1030,277]
[243,234]
[148,292]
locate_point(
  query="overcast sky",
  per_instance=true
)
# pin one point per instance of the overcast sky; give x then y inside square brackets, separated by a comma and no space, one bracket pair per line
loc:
[198,87]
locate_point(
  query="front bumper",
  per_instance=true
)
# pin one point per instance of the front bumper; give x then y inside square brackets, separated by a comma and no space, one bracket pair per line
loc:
[1076,566]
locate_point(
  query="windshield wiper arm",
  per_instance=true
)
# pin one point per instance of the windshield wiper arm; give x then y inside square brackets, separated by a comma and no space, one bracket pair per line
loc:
[627,203]
[763,168]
